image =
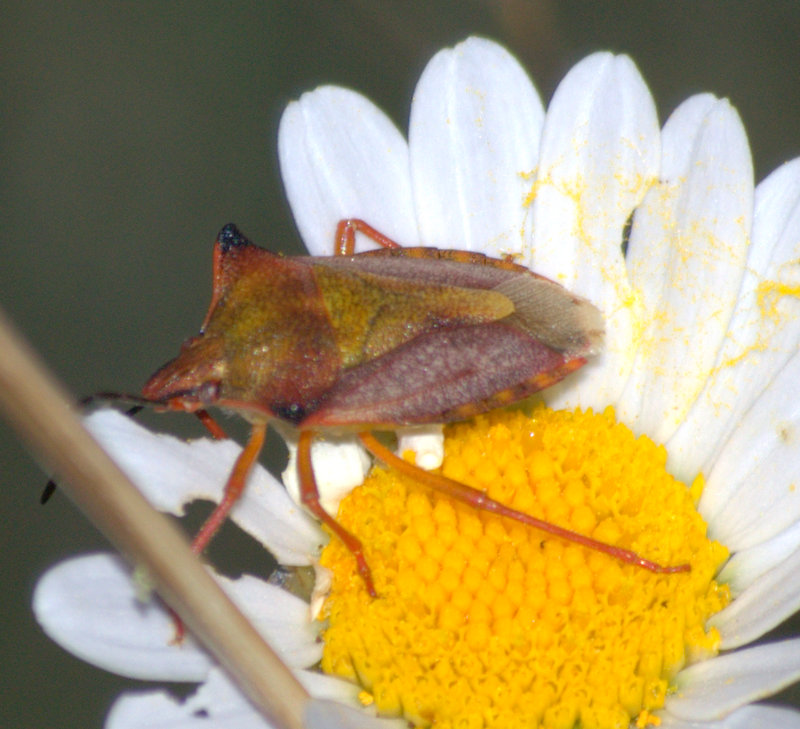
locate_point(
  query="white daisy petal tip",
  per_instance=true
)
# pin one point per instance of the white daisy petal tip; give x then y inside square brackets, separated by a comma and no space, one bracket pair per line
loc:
[326,714]
[474,140]
[426,442]
[711,690]
[340,464]
[342,157]
[323,579]
[89,606]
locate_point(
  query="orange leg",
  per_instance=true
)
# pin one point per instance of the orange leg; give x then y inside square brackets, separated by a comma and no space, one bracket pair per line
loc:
[479,500]
[346,236]
[211,425]
[309,495]
[233,488]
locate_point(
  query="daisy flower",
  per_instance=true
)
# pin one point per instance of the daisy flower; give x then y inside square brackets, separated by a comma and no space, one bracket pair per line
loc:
[678,440]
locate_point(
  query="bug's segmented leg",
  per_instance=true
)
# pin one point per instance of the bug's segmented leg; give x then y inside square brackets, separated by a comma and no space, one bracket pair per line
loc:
[346,236]
[309,494]
[479,500]
[233,488]
[211,425]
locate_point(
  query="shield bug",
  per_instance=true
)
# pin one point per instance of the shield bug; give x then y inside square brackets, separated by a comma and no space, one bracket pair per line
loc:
[371,341]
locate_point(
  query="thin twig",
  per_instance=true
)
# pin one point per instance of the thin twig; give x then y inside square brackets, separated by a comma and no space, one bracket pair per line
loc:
[43,415]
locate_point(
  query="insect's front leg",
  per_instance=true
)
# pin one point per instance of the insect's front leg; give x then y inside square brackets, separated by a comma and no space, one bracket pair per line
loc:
[309,495]
[233,488]
[211,425]
[346,236]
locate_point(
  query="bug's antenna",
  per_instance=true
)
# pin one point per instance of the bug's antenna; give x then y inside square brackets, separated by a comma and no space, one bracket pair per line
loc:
[85,402]
[140,404]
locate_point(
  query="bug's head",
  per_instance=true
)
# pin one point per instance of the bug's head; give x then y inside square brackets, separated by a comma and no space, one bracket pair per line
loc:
[192,380]
[257,350]
[195,378]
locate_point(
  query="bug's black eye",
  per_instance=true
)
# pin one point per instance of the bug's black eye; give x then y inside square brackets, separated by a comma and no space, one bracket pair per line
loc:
[291,412]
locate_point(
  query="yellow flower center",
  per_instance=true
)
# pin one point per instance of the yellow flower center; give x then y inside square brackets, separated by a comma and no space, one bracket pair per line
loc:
[481,621]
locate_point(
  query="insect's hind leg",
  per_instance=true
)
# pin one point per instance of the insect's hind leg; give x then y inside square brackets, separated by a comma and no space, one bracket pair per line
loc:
[309,494]
[478,500]
[345,244]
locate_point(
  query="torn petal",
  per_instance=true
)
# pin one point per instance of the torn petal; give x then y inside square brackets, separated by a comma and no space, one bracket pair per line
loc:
[171,473]
[217,704]
[600,153]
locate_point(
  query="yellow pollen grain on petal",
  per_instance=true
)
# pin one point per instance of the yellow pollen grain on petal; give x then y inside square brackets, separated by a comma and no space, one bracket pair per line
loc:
[482,621]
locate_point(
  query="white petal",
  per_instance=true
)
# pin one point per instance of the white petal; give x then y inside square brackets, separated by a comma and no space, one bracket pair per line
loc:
[747,565]
[323,686]
[340,464]
[342,157]
[600,152]
[752,493]
[323,579]
[686,257]
[283,619]
[709,690]
[745,718]
[474,134]
[172,473]
[88,605]
[427,443]
[764,330]
[331,715]
[217,704]
[766,603]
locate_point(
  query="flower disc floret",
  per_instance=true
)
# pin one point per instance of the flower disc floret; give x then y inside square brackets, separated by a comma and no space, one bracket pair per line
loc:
[481,621]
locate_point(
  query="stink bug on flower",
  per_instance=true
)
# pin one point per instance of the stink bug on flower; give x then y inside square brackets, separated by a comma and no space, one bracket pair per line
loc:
[374,341]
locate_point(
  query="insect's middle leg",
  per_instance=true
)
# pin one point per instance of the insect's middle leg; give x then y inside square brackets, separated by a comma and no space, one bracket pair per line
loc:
[346,236]
[309,495]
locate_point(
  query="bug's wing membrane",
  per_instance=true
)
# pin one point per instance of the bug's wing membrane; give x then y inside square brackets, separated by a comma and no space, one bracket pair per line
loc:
[554,316]
[444,375]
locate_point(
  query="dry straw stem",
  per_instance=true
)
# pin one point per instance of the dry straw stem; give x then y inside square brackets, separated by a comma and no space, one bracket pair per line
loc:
[43,415]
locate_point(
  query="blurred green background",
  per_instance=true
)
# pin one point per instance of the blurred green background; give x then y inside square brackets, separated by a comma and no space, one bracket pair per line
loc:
[131,131]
